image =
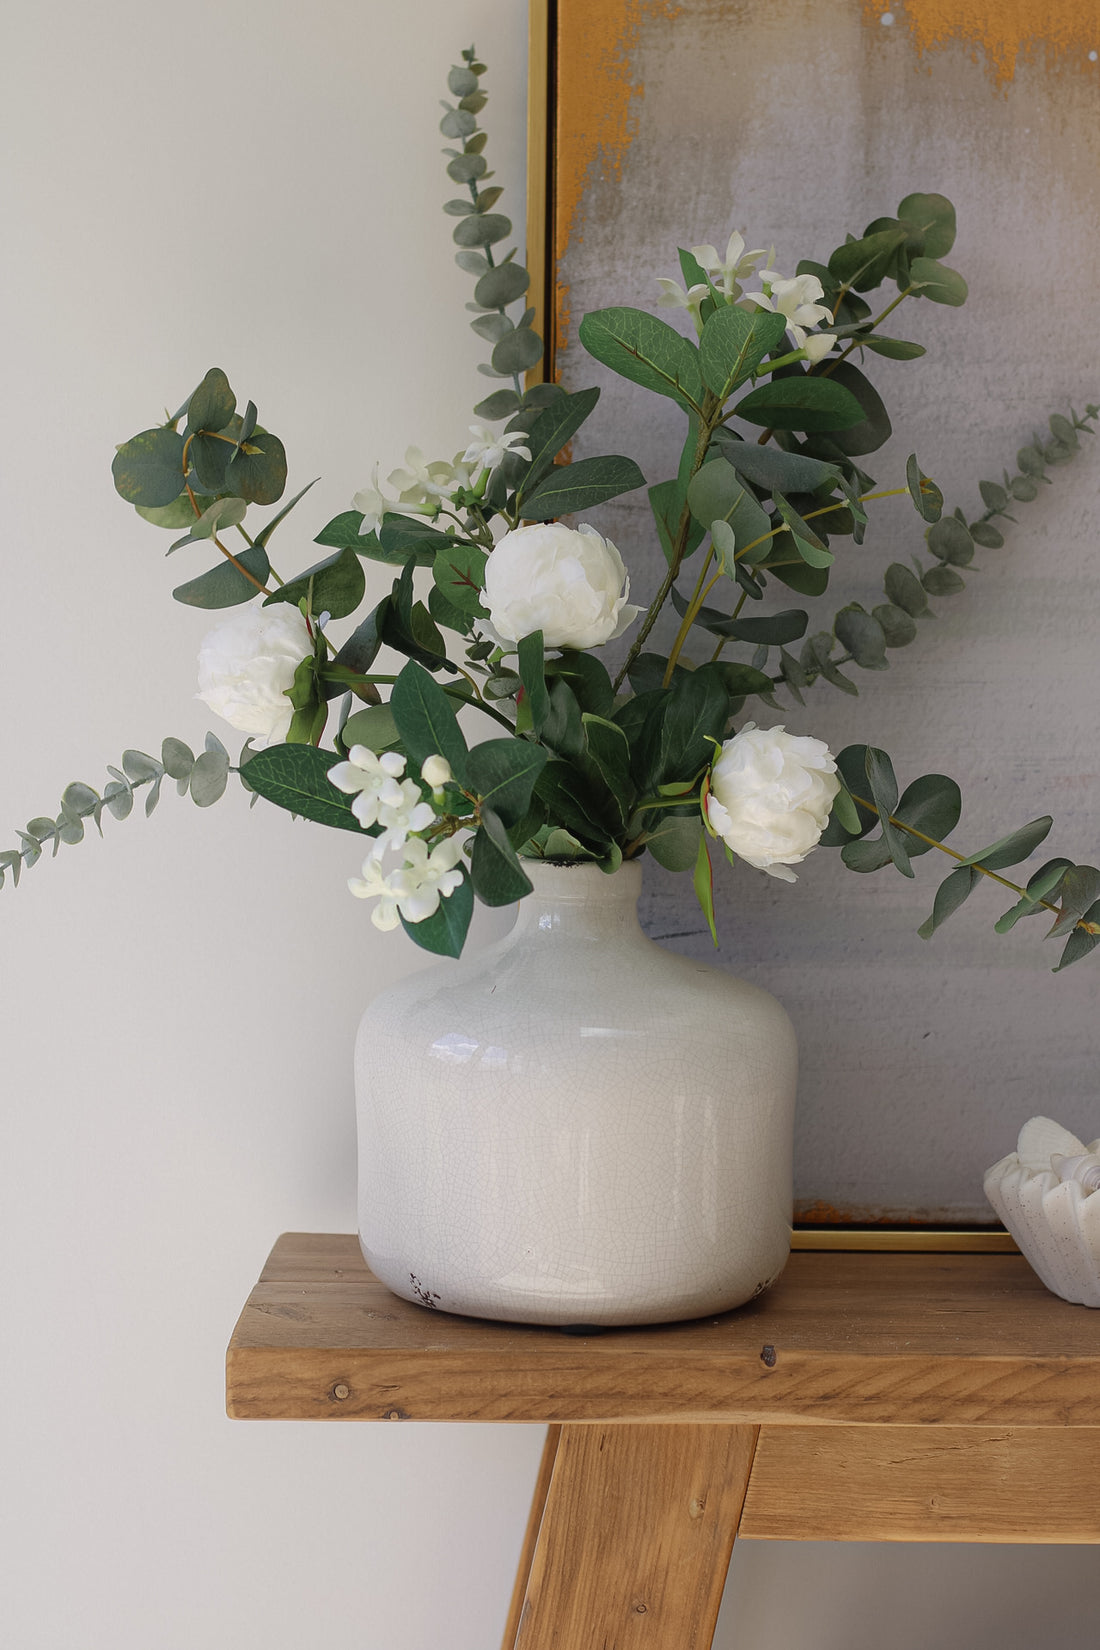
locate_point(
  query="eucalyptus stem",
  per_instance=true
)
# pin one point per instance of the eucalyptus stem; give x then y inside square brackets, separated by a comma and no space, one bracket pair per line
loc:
[932,842]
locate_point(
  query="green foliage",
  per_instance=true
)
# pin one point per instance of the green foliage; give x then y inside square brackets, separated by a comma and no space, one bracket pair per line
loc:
[203,777]
[766,490]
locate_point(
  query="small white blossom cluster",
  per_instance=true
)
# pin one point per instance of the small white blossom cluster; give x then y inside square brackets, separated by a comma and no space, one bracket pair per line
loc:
[425,484]
[383,796]
[796,299]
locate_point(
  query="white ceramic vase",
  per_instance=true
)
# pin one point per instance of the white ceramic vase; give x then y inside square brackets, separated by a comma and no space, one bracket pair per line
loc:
[575,1126]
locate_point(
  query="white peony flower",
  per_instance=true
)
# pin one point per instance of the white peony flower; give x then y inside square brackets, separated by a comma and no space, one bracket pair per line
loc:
[770,797]
[415,888]
[487,450]
[571,585]
[382,797]
[727,273]
[247,663]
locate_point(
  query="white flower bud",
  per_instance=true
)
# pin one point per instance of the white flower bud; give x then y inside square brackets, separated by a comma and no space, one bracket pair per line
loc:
[436,772]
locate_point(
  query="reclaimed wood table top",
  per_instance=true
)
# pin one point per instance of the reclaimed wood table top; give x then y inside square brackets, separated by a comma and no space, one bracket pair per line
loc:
[841,1339]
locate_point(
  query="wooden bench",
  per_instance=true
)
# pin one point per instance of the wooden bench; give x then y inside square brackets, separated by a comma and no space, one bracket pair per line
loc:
[865,1397]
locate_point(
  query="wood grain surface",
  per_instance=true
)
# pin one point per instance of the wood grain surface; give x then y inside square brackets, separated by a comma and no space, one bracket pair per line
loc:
[1027,1484]
[635,1538]
[885,1339]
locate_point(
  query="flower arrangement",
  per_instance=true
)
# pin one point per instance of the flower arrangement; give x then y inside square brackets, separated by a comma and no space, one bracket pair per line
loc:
[658,752]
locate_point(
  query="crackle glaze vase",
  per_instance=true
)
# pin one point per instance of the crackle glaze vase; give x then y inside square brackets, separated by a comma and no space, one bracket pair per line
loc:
[574,1126]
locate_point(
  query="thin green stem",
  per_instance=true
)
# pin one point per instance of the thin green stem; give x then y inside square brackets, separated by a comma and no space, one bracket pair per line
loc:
[932,842]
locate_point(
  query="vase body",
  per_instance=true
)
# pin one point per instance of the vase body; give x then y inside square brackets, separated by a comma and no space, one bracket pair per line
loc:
[575,1126]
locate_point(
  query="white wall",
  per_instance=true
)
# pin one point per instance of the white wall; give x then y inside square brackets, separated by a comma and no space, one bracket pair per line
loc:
[254,187]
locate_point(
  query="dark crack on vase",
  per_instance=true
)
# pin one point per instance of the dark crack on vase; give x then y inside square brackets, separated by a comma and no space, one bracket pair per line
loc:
[427,1297]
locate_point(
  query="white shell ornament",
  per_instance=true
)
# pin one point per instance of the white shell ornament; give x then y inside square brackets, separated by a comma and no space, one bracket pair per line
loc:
[1047,1193]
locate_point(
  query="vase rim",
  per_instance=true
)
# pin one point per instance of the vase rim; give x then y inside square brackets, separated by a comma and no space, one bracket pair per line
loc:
[584,880]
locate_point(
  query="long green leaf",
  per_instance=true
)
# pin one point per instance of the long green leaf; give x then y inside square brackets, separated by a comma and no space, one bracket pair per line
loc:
[296,777]
[426,721]
[645,350]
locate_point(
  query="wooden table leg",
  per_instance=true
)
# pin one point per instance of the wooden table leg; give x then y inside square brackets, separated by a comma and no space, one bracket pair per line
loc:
[630,1537]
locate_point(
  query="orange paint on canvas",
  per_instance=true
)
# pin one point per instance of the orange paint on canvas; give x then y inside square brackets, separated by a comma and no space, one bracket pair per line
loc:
[597,107]
[1005,31]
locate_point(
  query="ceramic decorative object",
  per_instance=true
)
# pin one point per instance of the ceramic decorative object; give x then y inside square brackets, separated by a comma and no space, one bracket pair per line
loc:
[575,1126]
[1045,1192]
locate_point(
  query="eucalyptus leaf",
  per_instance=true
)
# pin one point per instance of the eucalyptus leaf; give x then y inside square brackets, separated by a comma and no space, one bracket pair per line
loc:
[426,721]
[483,230]
[734,343]
[212,405]
[645,350]
[226,586]
[334,586]
[580,486]
[801,402]
[444,934]
[503,773]
[498,877]
[149,469]
[956,887]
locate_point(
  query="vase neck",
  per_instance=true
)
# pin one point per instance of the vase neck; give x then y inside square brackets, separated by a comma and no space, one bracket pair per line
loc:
[580,901]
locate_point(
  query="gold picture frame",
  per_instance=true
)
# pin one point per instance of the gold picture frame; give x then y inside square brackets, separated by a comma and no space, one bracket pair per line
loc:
[545,234]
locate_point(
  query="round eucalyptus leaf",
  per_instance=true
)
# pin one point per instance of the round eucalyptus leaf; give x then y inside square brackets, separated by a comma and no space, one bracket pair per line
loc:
[493,327]
[905,590]
[149,469]
[501,404]
[950,541]
[502,286]
[482,229]
[177,758]
[933,218]
[897,625]
[465,168]
[209,777]
[994,496]
[1024,488]
[1062,430]
[985,535]
[863,636]
[459,208]
[457,123]
[461,81]
[213,404]
[180,513]
[942,581]
[257,472]
[935,281]
[1030,461]
[519,350]
[474,263]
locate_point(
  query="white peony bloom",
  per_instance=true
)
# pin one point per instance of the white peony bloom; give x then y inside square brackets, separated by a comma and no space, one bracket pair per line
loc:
[770,797]
[382,797]
[487,450]
[571,585]
[727,273]
[415,888]
[247,663]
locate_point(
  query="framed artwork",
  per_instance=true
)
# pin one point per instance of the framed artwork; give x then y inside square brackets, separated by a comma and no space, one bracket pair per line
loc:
[660,124]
